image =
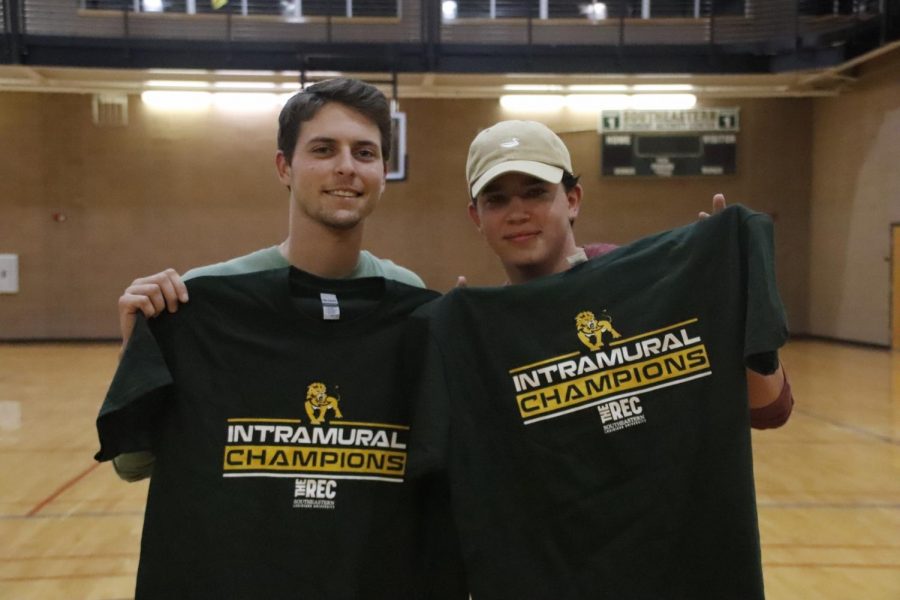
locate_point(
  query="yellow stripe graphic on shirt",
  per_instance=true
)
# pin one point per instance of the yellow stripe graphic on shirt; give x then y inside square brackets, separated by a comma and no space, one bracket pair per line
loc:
[563,396]
[543,362]
[306,459]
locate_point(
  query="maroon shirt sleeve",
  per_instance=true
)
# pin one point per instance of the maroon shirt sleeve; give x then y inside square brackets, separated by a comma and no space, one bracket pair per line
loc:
[775,414]
[595,250]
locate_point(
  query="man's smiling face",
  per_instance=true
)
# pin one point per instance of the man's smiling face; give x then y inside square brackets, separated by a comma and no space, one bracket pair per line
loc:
[527,223]
[337,172]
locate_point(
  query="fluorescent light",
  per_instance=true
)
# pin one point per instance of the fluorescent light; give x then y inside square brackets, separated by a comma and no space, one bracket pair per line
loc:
[533,103]
[597,102]
[155,6]
[663,87]
[244,102]
[528,87]
[178,71]
[663,101]
[242,72]
[176,84]
[600,87]
[177,101]
[448,9]
[322,74]
[245,85]
[593,11]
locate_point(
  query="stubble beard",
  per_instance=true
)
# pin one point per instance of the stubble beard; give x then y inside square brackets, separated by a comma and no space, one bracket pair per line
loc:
[340,220]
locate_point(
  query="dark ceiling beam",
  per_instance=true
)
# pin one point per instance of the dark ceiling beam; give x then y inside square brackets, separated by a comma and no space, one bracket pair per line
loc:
[417,58]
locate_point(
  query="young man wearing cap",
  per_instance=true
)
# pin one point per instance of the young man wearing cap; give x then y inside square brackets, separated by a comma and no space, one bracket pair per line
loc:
[591,415]
[524,201]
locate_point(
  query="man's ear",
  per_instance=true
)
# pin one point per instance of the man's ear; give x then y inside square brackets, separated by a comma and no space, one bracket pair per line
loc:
[283,166]
[574,198]
[474,216]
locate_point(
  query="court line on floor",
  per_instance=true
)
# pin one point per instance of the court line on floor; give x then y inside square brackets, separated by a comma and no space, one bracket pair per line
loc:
[887,566]
[67,576]
[93,515]
[833,546]
[40,505]
[105,556]
[852,428]
[841,505]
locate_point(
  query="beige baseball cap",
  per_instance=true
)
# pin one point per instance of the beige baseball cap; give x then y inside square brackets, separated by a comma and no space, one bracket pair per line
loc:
[516,146]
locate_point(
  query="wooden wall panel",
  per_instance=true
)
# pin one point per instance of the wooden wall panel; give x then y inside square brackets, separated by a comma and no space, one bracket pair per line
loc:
[856,142]
[183,190]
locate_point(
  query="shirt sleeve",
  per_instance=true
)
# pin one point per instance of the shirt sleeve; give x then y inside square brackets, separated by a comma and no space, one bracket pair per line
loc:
[430,427]
[775,414]
[766,324]
[134,466]
[138,391]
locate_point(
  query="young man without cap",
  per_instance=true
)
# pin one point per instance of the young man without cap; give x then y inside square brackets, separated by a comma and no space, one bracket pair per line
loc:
[334,139]
[256,336]
[524,201]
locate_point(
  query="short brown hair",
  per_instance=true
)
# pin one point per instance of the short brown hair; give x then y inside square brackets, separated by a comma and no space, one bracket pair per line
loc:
[362,97]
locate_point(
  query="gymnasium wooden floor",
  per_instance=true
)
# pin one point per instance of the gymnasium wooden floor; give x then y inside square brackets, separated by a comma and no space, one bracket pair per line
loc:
[828,482]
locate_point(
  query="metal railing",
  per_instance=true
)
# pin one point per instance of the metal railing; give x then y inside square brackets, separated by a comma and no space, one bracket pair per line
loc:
[769,25]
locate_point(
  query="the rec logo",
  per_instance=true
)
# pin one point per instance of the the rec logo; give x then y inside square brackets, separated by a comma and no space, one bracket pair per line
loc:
[315,493]
[620,414]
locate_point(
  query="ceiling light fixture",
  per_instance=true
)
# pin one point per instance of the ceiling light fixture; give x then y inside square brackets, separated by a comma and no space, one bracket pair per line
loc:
[598,87]
[597,102]
[532,102]
[177,101]
[663,87]
[663,101]
[246,102]
[531,87]
[448,10]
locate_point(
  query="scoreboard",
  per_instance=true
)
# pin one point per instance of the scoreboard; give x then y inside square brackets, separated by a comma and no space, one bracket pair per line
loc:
[665,143]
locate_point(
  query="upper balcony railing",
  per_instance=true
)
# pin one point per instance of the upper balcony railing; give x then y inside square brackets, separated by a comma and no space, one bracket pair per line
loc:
[764,27]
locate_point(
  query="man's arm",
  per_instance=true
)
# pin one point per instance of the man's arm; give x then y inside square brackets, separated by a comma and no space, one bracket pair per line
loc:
[770,396]
[149,295]
[134,466]
[771,399]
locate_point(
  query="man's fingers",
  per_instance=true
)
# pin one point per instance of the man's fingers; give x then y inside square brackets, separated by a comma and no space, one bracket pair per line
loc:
[169,294]
[718,203]
[135,295]
[165,289]
[131,303]
[180,288]
[173,288]
[461,282]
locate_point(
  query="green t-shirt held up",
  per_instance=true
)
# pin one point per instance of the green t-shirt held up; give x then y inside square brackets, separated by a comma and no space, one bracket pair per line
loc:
[277,405]
[134,466]
[595,424]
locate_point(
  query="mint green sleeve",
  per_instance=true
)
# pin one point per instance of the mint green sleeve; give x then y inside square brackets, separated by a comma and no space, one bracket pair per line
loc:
[134,466]
[127,418]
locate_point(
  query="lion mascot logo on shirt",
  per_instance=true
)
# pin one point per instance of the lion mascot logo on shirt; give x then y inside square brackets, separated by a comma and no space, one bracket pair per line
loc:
[591,329]
[318,403]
